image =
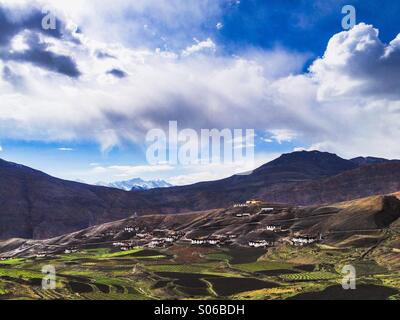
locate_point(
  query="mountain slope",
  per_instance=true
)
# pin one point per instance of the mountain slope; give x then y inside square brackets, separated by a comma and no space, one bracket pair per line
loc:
[36,205]
[303,178]
[339,224]
[361,182]
[287,170]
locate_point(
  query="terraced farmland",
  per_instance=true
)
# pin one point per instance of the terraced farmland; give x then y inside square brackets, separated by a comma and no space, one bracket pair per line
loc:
[310,276]
[106,273]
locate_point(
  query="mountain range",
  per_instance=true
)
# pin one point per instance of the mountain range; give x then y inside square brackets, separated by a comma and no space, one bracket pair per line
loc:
[136,184]
[35,205]
[355,223]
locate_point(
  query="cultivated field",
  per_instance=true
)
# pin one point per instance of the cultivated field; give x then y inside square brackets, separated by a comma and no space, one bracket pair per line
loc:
[229,273]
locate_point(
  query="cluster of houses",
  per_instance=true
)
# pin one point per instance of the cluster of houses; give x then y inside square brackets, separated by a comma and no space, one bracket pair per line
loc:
[71,250]
[214,240]
[240,205]
[304,240]
[41,254]
[261,243]
[156,238]
[131,229]
[163,242]
[206,241]
[241,215]
[127,229]
[273,228]
[125,246]
[252,202]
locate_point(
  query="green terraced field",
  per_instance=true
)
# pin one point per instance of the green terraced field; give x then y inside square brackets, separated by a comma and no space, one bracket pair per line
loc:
[310,276]
[163,274]
[263,265]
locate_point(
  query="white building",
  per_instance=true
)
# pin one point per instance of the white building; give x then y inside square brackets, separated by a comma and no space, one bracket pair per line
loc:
[240,215]
[240,205]
[211,242]
[69,251]
[273,228]
[260,243]
[303,240]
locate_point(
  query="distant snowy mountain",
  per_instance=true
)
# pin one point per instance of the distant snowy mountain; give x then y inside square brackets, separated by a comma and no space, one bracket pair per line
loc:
[136,184]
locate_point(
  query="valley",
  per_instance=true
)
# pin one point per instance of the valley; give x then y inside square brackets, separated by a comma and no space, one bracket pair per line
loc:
[35,205]
[251,250]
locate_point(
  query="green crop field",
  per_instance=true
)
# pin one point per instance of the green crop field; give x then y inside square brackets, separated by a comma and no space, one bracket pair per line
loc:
[263,265]
[164,274]
[310,276]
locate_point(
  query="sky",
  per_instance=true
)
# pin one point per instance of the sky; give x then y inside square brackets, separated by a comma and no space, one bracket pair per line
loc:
[78,101]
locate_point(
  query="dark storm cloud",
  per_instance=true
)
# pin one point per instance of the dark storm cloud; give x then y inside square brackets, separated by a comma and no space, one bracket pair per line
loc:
[39,55]
[10,26]
[38,52]
[104,55]
[117,73]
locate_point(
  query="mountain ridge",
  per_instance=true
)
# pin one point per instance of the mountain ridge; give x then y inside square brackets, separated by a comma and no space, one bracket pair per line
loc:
[36,205]
[136,184]
[335,223]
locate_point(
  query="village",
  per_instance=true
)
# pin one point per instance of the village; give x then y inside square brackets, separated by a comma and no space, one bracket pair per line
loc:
[273,233]
[263,235]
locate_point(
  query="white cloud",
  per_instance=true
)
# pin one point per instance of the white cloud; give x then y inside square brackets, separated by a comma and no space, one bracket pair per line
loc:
[356,62]
[130,171]
[348,103]
[282,135]
[161,87]
[65,149]
[214,171]
[109,20]
[200,46]
[19,43]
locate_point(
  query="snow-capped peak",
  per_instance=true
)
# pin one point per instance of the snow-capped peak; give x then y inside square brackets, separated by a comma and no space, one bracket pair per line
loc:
[136,184]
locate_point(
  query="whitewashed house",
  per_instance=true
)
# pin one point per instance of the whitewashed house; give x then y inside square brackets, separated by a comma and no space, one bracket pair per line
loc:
[261,243]
[240,205]
[273,228]
[303,240]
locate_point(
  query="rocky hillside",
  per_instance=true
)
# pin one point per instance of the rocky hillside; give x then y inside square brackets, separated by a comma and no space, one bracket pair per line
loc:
[36,205]
[360,223]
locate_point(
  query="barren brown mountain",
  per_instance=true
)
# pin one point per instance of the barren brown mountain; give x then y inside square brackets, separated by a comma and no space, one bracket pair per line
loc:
[36,205]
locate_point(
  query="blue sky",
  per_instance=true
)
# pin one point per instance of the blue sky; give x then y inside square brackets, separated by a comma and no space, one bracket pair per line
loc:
[77,102]
[301,25]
